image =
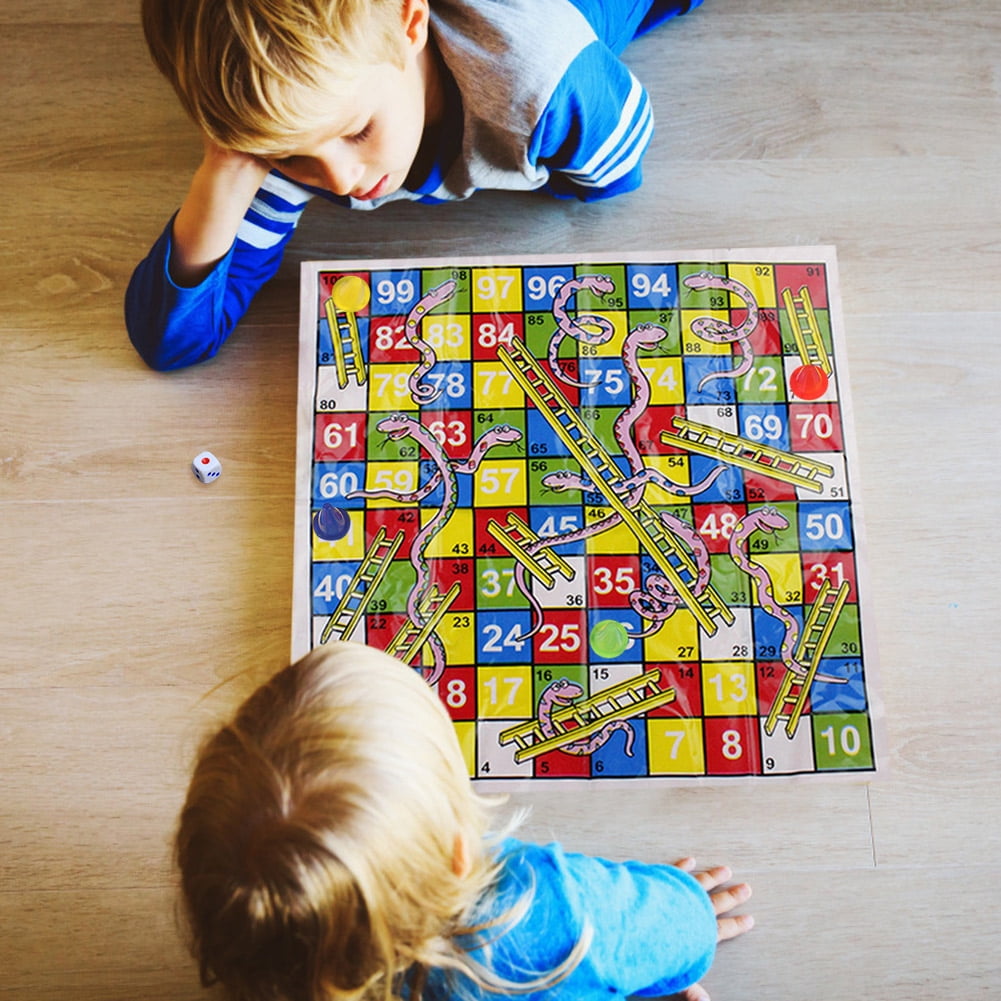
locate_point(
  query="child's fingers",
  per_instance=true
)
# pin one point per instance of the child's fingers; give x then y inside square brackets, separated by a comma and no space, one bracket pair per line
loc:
[727,928]
[726,900]
[686,864]
[695,993]
[723,900]
[712,878]
[730,897]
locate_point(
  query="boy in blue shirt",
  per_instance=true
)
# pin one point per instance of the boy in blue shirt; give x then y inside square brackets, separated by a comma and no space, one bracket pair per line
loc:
[368,101]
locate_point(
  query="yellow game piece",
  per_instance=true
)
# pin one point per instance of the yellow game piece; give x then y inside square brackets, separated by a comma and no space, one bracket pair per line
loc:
[351,293]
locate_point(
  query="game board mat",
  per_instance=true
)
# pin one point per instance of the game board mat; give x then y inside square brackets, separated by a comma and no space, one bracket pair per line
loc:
[608,506]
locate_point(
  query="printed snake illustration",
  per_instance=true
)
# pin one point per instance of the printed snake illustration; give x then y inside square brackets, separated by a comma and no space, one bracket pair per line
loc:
[562,693]
[659,600]
[599,285]
[769,519]
[422,392]
[709,328]
[644,335]
[399,426]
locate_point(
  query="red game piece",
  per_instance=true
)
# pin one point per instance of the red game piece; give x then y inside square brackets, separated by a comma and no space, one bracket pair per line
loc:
[808,382]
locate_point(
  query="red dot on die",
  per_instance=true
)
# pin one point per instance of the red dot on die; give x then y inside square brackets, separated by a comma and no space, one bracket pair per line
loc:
[205,460]
[808,382]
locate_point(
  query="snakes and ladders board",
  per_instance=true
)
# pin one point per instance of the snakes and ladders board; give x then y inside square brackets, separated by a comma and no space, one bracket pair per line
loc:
[607,507]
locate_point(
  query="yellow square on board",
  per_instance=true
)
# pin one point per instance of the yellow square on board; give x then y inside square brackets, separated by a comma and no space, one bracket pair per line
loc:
[691,344]
[497,290]
[610,345]
[465,732]
[500,483]
[759,279]
[389,388]
[458,633]
[617,540]
[504,692]
[677,639]
[391,478]
[675,746]
[350,547]
[728,688]
[667,383]
[674,471]
[455,538]
[450,336]
[495,388]
[786,573]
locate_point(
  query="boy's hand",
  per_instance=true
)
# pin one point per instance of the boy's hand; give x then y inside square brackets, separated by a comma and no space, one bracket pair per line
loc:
[205,226]
[723,901]
[213,152]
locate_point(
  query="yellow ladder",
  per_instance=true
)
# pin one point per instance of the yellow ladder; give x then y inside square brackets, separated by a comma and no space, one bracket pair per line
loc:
[407,643]
[790,700]
[806,330]
[774,462]
[515,536]
[643,521]
[367,578]
[585,718]
[346,342]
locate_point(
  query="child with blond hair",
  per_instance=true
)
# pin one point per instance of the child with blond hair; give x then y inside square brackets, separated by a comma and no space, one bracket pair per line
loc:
[364,102]
[331,847]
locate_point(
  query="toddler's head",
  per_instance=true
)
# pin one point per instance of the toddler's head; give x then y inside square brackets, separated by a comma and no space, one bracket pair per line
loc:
[330,838]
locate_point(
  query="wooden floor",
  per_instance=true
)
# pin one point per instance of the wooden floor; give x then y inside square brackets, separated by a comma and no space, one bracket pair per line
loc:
[128,590]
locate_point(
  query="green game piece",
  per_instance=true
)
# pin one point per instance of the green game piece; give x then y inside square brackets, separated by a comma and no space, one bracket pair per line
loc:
[609,638]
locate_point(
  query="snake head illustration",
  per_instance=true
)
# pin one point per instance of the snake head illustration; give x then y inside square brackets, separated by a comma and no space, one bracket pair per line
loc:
[646,335]
[598,284]
[562,479]
[504,434]
[701,280]
[769,520]
[441,293]
[395,425]
[564,691]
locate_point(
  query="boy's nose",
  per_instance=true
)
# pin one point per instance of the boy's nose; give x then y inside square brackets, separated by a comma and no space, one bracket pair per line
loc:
[341,175]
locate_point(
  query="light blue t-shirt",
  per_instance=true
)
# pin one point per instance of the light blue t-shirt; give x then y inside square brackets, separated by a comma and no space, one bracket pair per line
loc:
[653,927]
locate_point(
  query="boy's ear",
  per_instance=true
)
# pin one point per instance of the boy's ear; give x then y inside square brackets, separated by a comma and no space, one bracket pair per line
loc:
[416,17]
[461,862]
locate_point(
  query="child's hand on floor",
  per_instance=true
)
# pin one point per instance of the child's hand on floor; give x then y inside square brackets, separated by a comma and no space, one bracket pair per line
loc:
[723,900]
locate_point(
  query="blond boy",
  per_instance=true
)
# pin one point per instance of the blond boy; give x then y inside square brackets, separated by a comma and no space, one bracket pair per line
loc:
[367,101]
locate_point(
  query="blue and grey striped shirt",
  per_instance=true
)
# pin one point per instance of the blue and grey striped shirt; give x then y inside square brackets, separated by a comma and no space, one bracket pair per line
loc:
[537,98]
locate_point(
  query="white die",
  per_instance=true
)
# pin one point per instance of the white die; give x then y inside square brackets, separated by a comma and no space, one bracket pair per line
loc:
[206,467]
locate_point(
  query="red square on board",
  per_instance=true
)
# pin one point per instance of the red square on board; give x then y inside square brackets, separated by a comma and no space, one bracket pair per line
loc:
[733,745]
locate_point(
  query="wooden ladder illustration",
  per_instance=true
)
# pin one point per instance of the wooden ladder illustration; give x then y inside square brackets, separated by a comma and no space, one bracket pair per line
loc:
[643,521]
[583,719]
[775,462]
[367,578]
[407,643]
[790,700]
[805,329]
[346,342]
